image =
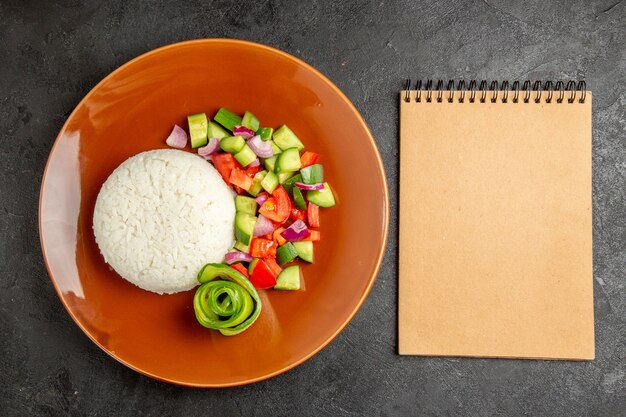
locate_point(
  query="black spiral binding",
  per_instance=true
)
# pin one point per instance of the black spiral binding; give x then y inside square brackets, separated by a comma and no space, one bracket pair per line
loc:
[545,91]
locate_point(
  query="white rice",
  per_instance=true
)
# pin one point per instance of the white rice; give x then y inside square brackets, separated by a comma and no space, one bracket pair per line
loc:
[160,216]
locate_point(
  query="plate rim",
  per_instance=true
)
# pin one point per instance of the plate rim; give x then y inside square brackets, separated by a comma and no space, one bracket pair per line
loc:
[371,280]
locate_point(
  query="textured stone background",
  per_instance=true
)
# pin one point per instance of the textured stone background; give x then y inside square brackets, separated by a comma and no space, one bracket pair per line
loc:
[53,52]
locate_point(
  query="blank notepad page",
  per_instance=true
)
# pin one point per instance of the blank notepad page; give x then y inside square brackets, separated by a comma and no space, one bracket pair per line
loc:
[495,256]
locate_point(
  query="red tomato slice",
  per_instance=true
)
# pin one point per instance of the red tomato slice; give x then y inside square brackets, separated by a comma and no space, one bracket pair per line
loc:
[239,178]
[297,214]
[277,207]
[273,266]
[308,158]
[242,269]
[262,248]
[225,163]
[313,214]
[251,171]
[262,276]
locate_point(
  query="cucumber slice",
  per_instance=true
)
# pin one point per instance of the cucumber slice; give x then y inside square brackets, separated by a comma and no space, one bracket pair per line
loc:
[252,265]
[275,148]
[288,185]
[286,253]
[197,129]
[288,161]
[298,198]
[323,197]
[216,131]
[270,182]
[227,118]
[245,204]
[284,176]
[270,163]
[286,139]
[256,183]
[232,144]
[313,174]
[250,121]
[265,133]
[244,227]
[305,250]
[245,156]
[241,247]
[288,279]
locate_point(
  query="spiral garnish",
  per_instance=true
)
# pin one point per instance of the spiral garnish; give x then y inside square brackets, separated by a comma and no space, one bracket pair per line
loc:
[230,304]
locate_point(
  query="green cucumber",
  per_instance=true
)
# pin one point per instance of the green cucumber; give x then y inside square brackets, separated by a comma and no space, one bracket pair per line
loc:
[241,247]
[244,227]
[275,148]
[245,156]
[270,163]
[252,265]
[288,185]
[284,176]
[288,161]
[232,144]
[298,198]
[245,204]
[313,174]
[286,253]
[305,250]
[227,118]
[216,131]
[288,279]
[270,182]
[323,197]
[197,129]
[265,133]
[256,183]
[286,139]
[250,121]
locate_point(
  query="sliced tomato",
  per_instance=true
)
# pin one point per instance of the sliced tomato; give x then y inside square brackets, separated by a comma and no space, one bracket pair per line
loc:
[277,207]
[239,178]
[225,163]
[297,214]
[262,276]
[278,238]
[308,158]
[242,269]
[313,214]
[314,236]
[273,266]
[262,248]
[252,171]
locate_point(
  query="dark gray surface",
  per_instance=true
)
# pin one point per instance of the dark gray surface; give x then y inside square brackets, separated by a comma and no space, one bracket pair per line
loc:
[53,52]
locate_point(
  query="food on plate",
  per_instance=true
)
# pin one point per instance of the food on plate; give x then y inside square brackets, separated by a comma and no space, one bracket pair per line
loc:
[242,212]
[279,188]
[161,216]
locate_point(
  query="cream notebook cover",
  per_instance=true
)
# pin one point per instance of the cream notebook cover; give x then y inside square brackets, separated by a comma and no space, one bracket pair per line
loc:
[495,223]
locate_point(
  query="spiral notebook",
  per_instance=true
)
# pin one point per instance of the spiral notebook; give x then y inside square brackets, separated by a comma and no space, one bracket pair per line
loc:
[495,255]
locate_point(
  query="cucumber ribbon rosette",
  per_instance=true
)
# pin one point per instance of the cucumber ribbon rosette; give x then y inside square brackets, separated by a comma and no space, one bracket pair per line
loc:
[226,300]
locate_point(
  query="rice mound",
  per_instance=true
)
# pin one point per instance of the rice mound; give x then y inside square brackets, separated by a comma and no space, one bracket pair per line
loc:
[161,216]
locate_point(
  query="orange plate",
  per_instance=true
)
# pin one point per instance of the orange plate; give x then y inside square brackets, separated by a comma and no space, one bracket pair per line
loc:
[133,110]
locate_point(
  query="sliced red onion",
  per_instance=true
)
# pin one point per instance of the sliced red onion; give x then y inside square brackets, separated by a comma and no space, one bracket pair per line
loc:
[260,147]
[263,226]
[178,138]
[243,131]
[309,187]
[254,164]
[261,198]
[211,147]
[297,231]
[234,257]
